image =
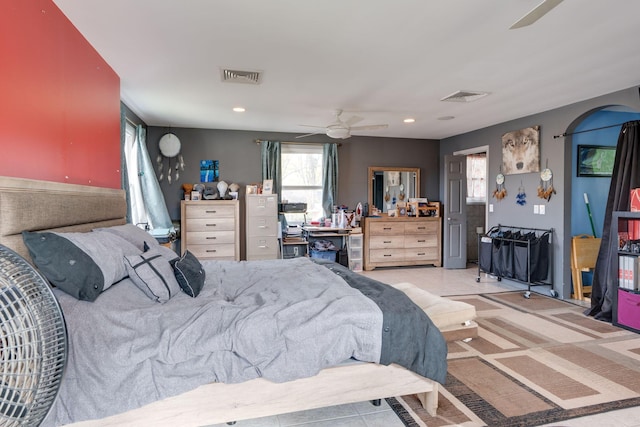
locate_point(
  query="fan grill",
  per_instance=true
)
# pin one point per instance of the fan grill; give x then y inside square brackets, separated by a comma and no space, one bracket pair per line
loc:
[33,343]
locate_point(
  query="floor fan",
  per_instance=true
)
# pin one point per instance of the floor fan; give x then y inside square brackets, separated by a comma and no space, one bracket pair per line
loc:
[33,343]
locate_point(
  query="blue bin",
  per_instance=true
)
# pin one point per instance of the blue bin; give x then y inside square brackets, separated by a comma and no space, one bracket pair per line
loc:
[330,255]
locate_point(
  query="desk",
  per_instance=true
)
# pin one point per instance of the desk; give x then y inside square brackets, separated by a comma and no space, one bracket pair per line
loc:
[337,236]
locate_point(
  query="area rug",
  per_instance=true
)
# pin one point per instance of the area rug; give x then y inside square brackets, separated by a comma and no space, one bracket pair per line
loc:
[535,361]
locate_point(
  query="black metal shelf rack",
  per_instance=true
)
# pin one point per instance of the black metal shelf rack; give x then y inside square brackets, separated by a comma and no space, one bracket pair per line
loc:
[520,254]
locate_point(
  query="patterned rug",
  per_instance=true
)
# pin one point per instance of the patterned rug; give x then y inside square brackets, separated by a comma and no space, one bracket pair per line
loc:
[535,361]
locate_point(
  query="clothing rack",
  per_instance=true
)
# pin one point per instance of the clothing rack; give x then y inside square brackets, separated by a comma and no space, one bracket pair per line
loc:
[521,254]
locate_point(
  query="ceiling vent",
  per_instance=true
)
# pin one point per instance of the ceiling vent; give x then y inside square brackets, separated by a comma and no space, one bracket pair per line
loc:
[464,96]
[240,76]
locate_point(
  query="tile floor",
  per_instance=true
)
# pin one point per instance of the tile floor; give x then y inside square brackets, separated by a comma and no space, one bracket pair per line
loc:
[438,281]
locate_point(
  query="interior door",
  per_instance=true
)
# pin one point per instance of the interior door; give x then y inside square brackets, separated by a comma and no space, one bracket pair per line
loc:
[455,215]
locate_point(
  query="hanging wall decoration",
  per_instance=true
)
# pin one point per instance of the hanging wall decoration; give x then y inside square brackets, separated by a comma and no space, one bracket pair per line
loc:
[209,170]
[169,146]
[521,197]
[545,189]
[500,192]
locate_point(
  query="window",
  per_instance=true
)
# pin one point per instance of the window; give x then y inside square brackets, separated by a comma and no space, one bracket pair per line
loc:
[477,178]
[302,179]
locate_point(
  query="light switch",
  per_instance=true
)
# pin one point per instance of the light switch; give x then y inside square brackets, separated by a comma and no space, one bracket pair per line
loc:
[490,207]
[542,209]
[536,209]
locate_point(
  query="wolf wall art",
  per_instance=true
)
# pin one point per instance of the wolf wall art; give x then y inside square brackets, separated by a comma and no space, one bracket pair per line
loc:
[521,151]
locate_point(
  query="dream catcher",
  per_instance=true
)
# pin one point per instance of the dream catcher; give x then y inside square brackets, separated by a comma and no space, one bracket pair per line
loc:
[521,197]
[500,191]
[169,149]
[545,189]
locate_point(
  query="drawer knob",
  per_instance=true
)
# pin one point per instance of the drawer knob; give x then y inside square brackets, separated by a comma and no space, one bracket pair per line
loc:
[211,225]
[421,254]
[421,241]
[386,228]
[211,211]
[211,250]
[387,254]
[387,241]
[421,228]
[211,238]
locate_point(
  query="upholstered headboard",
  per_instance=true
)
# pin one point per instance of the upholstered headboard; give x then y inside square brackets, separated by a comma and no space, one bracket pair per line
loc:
[32,205]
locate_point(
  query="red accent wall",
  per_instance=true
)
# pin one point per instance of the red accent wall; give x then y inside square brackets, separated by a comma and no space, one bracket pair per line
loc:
[59,100]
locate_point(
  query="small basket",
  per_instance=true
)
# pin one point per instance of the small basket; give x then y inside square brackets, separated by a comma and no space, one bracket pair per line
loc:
[330,255]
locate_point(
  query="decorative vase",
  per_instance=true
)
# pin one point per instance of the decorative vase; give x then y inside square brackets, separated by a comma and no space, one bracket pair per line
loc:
[222,189]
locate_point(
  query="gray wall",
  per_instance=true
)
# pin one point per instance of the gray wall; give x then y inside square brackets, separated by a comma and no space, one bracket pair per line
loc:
[555,151]
[239,158]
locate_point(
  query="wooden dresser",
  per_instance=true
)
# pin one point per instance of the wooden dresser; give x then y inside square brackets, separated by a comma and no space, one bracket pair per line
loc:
[400,241]
[210,229]
[262,226]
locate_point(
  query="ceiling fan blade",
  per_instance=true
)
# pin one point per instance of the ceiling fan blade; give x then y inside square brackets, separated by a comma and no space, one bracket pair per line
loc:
[308,134]
[353,120]
[369,127]
[313,126]
[536,13]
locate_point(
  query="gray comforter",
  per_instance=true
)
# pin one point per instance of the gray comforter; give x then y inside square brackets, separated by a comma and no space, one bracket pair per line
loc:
[279,320]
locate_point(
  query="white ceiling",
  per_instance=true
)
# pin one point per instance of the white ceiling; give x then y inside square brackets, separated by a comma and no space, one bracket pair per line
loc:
[380,59]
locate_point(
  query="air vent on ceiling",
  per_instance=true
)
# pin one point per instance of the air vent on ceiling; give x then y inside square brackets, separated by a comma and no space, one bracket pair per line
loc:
[464,96]
[240,76]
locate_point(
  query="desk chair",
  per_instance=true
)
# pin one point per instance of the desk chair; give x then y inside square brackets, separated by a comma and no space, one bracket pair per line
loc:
[584,253]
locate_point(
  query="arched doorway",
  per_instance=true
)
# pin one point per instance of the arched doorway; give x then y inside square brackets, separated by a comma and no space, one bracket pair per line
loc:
[597,128]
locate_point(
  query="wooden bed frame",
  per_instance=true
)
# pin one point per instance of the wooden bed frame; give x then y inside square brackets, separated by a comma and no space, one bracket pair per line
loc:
[34,205]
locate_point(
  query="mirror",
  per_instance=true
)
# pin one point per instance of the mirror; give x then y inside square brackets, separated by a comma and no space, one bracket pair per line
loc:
[390,185]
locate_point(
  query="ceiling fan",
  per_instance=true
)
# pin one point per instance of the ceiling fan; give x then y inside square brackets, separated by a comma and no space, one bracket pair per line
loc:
[536,13]
[341,129]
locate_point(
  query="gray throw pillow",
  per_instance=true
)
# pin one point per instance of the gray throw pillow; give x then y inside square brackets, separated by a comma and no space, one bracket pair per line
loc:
[189,274]
[152,273]
[81,264]
[131,233]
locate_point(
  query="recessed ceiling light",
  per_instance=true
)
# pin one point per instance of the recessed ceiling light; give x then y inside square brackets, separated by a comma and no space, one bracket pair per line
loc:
[409,120]
[446,118]
[239,109]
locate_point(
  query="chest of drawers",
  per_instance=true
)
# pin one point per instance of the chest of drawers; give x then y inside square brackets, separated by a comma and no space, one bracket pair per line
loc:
[402,241]
[262,226]
[210,229]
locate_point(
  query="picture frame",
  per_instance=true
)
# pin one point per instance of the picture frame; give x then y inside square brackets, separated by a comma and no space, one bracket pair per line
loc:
[195,195]
[595,161]
[267,186]
[412,209]
[521,151]
[251,189]
[209,170]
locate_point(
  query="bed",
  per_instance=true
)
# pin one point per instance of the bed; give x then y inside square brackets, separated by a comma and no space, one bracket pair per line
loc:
[231,394]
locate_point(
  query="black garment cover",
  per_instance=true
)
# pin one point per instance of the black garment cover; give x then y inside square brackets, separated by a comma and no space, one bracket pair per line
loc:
[626,175]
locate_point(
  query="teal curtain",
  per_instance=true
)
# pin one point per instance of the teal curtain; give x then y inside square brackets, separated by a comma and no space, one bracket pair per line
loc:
[329,178]
[124,171]
[271,165]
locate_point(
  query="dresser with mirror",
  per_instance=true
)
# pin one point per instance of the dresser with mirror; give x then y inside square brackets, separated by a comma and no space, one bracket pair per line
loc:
[394,234]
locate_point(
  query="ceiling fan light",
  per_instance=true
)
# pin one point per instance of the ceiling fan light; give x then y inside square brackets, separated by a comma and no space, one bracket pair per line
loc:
[338,132]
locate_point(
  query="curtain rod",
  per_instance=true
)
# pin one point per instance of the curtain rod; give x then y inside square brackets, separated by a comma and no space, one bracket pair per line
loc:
[562,135]
[258,141]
